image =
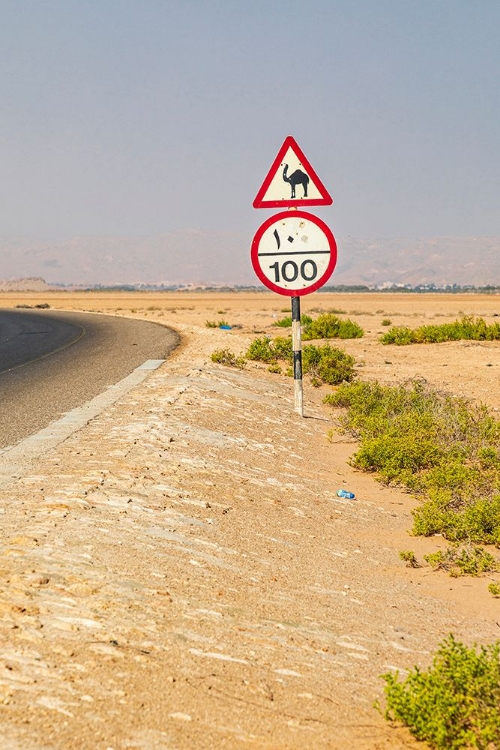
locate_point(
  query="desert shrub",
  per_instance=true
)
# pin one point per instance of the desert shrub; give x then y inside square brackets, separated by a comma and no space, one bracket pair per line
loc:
[287,322]
[226,357]
[455,703]
[270,350]
[478,521]
[399,335]
[444,449]
[328,364]
[329,326]
[283,348]
[409,558]
[460,560]
[467,328]
[325,364]
[494,589]
[395,459]
[386,322]
[276,368]
[213,324]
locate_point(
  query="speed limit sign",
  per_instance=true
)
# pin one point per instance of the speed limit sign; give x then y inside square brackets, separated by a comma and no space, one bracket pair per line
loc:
[294,253]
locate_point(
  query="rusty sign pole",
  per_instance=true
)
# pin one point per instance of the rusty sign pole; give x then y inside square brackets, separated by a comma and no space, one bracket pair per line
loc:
[297,357]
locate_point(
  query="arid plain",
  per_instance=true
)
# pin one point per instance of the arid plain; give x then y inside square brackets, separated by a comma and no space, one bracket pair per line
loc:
[462,368]
[180,574]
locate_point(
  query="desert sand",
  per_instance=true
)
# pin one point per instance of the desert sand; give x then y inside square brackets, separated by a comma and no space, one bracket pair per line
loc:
[180,573]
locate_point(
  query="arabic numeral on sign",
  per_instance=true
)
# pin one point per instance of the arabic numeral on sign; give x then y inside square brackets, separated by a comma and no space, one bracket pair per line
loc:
[289,270]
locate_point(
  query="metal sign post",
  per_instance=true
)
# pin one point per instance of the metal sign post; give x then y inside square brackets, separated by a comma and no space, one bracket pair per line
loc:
[297,357]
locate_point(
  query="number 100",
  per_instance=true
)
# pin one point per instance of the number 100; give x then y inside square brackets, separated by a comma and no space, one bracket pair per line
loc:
[289,270]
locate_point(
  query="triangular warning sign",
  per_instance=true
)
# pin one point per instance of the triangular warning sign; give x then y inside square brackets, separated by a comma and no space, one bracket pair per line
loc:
[291,181]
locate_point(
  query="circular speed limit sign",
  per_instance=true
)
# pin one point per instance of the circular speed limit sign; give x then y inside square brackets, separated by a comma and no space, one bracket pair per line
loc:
[294,253]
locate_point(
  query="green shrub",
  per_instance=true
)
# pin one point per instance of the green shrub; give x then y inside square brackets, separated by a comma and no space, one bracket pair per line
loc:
[466,560]
[399,335]
[410,559]
[276,368]
[455,704]
[268,350]
[262,350]
[213,324]
[444,449]
[387,322]
[467,328]
[329,326]
[226,357]
[494,589]
[325,364]
[478,520]
[287,322]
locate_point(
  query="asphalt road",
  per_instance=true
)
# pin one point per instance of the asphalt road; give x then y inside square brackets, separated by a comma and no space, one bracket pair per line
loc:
[51,362]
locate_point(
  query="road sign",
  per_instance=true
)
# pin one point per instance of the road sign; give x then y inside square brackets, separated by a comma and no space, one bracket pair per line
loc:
[291,181]
[294,253]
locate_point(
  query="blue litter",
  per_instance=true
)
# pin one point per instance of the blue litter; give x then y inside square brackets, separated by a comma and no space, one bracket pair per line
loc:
[225,328]
[346,494]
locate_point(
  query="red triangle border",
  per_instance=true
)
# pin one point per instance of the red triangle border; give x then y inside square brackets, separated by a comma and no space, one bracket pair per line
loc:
[324,200]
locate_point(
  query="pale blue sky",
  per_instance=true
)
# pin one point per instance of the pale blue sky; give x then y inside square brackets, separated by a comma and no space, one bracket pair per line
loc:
[136,117]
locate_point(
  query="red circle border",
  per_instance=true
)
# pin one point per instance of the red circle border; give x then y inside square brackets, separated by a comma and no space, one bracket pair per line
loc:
[288,215]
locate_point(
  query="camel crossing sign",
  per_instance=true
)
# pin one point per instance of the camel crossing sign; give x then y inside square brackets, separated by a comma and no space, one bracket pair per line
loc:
[291,181]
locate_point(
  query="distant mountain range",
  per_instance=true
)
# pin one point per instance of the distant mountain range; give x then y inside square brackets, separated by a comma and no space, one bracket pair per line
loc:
[31,284]
[193,256]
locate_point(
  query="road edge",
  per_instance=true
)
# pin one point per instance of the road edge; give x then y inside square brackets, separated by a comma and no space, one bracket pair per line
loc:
[15,461]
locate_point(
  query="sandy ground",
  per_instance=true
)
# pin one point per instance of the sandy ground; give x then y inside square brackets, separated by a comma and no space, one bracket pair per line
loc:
[180,572]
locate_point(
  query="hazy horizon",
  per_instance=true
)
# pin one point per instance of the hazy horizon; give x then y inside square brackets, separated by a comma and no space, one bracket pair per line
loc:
[133,120]
[194,256]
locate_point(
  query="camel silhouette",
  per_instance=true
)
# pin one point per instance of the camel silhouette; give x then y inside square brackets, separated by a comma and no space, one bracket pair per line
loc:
[296,178]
